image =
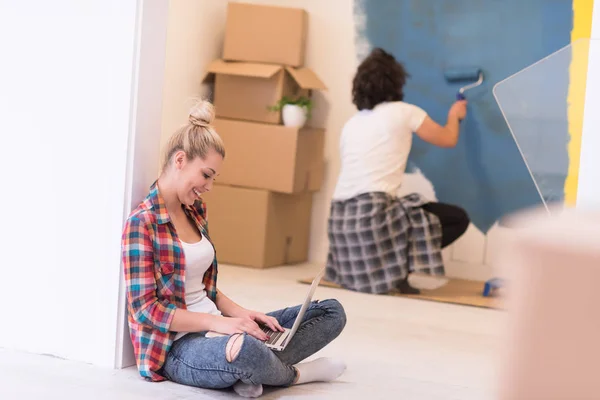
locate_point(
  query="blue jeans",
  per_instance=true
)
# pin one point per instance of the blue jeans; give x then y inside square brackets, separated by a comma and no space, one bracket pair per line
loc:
[196,360]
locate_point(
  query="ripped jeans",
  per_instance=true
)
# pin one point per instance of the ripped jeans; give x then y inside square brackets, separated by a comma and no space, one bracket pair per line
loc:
[196,360]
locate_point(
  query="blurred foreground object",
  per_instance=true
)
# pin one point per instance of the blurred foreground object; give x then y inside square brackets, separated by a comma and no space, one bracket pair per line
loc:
[552,266]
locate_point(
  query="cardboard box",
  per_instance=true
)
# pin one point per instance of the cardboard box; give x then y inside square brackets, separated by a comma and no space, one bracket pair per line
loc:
[258,228]
[272,157]
[267,34]
[245,91]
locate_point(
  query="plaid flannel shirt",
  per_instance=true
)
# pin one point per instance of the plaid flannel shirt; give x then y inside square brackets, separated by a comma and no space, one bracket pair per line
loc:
[154,267]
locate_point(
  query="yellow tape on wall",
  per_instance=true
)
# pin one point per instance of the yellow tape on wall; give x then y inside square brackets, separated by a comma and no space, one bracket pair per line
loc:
[582,28]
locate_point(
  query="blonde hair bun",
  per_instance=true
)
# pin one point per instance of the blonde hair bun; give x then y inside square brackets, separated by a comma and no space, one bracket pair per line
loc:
[197,137]
[202,113]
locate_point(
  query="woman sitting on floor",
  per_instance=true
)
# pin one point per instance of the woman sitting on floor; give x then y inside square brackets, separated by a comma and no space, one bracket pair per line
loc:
[376,238]
[172,296]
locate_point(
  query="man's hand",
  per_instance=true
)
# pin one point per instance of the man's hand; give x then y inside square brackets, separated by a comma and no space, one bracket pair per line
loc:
[458,110]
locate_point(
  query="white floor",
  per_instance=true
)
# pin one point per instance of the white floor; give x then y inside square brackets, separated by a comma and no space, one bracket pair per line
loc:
[394,347]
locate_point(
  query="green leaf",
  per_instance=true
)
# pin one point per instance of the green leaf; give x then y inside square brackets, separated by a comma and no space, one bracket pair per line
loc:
[299,101]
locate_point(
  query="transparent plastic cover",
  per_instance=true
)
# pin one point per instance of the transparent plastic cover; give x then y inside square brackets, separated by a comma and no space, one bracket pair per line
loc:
[543,107]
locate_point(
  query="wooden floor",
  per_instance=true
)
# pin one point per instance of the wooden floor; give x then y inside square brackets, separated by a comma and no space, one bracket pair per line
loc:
[453,291]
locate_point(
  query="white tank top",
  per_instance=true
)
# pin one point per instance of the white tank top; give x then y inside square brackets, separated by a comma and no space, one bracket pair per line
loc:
[198,258]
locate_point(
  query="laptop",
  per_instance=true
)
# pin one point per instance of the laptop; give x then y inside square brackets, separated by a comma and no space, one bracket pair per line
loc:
[278,341]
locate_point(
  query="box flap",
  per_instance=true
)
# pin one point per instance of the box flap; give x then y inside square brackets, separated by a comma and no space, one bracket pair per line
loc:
[305,78]
[243,69]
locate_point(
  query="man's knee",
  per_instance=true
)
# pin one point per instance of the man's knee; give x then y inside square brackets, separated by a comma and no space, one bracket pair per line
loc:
[234,345]
[464,220]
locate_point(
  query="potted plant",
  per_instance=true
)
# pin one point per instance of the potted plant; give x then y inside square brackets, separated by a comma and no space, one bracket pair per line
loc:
[295,112]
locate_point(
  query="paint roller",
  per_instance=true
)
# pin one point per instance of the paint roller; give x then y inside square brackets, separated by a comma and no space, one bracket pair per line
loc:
[472,74]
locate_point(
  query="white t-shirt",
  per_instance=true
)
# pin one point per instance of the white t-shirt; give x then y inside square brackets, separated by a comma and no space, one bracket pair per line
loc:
[198,258]
[374,148]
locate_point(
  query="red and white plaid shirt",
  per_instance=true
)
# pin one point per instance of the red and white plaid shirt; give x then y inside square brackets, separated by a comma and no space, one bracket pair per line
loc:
[154,267]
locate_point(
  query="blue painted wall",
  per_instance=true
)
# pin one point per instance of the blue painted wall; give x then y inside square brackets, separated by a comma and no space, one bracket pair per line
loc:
[485,173]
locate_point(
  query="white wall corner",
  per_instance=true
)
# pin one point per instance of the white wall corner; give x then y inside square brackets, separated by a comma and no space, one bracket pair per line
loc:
[145,133]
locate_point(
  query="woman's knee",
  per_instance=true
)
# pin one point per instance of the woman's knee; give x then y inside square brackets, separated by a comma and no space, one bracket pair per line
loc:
[247,347]
[233,347]
[336,312]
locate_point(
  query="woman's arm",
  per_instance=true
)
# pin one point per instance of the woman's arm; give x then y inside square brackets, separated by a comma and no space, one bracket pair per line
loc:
[228,307]
[138,264]
[444,136]
[231,309]
[188,321]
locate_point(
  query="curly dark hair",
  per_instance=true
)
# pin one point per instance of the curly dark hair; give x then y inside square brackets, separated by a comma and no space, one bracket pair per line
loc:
[379,78]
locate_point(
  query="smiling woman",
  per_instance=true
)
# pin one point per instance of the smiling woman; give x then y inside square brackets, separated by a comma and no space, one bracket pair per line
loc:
[170,270]
[193,155]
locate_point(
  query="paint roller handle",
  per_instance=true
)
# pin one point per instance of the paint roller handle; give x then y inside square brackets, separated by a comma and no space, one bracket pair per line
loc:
[459,97]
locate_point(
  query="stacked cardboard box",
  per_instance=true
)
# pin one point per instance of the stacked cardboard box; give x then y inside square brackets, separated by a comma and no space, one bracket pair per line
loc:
[260,210]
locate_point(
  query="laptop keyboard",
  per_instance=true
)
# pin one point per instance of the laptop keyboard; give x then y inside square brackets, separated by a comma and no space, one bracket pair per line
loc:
[274,336]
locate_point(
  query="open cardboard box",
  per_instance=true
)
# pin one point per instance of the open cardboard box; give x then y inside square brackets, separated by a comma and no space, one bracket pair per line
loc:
[245,91]
[258,228]
[272,157]
[268,34]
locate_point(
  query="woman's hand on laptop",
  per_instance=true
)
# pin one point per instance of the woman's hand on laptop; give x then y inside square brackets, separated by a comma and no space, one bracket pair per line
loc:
[264,319]
[230,326]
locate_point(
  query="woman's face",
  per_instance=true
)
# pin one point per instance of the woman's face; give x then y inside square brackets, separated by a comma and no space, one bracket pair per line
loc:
[196,176]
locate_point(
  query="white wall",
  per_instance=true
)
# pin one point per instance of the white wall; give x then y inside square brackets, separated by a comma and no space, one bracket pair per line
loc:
[65,105]
[588,190]
[145,132]
[194,39]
